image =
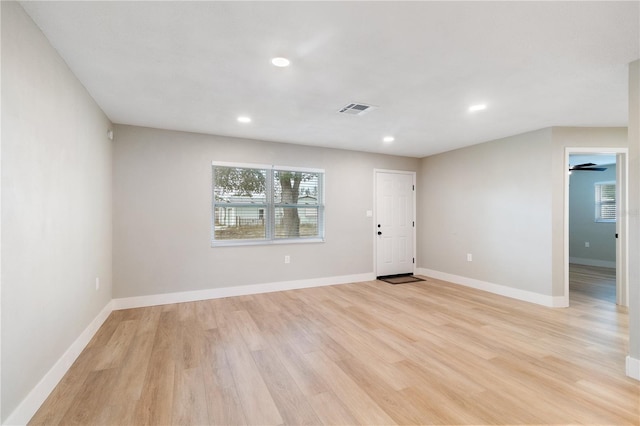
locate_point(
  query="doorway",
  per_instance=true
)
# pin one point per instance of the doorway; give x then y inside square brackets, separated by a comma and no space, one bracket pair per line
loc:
[394,222]
[595,233]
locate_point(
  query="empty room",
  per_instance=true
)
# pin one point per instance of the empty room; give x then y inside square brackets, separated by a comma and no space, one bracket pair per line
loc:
[320,213]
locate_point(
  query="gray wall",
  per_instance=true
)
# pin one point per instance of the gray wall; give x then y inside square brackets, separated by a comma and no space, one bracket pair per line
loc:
[582,225]
[491,200]
[503,202]
[162,213]
[57,210]
[56,207]
[573,137]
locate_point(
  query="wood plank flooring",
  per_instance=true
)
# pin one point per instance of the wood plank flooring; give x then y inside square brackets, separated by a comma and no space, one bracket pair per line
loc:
[593,281]
[365,353]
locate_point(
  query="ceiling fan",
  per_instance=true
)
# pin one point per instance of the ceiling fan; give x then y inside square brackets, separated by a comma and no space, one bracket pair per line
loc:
[587,167]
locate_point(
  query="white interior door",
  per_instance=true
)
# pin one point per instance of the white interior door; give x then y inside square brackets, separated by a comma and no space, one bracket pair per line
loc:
[395,222]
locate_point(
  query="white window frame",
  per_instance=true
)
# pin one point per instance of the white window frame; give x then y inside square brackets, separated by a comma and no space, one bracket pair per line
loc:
[270,206]
[599,203]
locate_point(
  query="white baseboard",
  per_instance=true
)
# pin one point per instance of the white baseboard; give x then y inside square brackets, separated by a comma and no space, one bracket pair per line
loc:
[216,293]
[633,367]
[28,407]
[593,262]
[502,290]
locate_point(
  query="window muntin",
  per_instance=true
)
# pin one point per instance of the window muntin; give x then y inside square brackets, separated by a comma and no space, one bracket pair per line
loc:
[255,204]
[605,193]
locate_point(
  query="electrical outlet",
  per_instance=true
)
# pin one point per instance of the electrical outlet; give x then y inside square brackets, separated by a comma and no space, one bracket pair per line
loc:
[287,259]
[469,257]
[586,244]
[97,283]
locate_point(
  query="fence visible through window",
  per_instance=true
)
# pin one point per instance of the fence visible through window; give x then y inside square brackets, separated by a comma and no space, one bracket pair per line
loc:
[266,204]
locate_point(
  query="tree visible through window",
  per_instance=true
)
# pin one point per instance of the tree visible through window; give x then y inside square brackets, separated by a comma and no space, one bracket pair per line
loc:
[605,201]
[254,204]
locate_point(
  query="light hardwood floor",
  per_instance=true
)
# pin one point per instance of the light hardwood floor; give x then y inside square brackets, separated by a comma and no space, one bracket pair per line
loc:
[593,282]
[364,353]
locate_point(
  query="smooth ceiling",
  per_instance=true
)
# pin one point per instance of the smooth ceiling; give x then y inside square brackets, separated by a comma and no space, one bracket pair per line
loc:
[196,66]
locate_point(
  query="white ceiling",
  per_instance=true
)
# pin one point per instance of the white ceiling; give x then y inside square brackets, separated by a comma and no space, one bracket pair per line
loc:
[196,66]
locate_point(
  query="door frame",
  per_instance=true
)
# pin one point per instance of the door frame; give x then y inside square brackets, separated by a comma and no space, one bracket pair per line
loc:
[375,215]
[622,242]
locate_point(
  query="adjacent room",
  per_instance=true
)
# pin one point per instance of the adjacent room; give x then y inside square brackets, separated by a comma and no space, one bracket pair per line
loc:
[230,212]
[593,226]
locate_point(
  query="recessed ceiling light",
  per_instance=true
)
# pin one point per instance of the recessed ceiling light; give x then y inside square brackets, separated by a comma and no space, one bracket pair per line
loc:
[244,119]
[478,107]
[388,139]
[281,62]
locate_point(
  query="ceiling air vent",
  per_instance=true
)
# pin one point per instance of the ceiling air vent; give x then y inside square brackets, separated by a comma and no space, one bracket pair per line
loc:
[356,109]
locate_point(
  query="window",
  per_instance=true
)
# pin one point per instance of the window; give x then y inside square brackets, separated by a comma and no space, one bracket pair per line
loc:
[605,201]
[255,204]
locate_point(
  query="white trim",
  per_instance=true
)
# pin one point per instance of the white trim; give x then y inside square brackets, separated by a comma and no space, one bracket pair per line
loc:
[593,262]
[269,207]
[375,213]
[243,290]
[30,404]
[633,367]
[401,172]
[622,257]
[622,226]
[502,290]
[266,166]
[238,243]
[0,233]
[241,165]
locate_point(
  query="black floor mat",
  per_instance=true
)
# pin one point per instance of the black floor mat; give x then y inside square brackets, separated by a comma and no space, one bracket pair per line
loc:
[400,279]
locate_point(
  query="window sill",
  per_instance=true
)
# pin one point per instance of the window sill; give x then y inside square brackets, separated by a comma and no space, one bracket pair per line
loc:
[239,243]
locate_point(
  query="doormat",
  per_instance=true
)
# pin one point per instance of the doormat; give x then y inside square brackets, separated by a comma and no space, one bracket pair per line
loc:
[400,279]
